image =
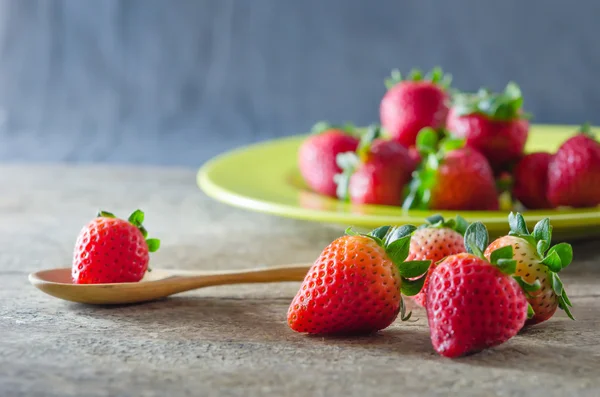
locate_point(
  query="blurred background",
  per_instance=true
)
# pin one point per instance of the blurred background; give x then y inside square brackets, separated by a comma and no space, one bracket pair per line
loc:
[175,82]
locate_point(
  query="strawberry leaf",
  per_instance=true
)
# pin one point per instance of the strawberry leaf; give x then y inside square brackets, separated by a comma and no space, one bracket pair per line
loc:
[399,232]
[398,249]
[504,106]
[435,220]
[553,261]
[380,232]
[518,226]
[501,253]
[412,269]
[347,161]
[565,307]
[366,140]
[136,218]
[322,126]
[396,78]
[507,266]
[412,287]
[476,239]
[542,233]
[427,140]
[565,252]
[351,232]
[557,284]
[530,311]
[105,214]
[527,287]
[449,144]
[153,244]
[585,128]
[144,231]
[403,315]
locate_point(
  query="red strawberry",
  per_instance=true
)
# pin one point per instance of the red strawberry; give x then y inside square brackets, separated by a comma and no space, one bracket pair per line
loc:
[377,173]
[530,180]
[434,241]
[574,172]
[492,123]
[473,304]
[355,285]
[112,250]
[413,104]
[454,178]
[537,265]
[317,156]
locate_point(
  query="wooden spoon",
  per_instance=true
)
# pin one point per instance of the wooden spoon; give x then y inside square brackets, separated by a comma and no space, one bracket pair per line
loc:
[156,284]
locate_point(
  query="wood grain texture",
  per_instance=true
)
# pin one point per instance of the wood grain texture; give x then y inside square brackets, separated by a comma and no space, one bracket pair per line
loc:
[178,81]
[233,340]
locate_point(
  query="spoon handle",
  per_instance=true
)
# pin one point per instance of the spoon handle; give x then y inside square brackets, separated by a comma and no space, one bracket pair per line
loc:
[191,280]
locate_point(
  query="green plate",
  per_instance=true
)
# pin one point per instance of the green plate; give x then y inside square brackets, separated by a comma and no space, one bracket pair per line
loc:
[264,177]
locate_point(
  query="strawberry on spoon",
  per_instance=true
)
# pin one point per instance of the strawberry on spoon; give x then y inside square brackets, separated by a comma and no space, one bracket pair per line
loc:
[112,250]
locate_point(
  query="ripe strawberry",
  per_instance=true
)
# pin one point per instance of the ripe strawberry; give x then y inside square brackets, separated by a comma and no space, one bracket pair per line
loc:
[492,123]
[434,241]
[574,172]
[413,104]
[473,304]
[530,180]
[317,156]
[112,250]
[355,285]
[537,265]
[454,178]
[376,173]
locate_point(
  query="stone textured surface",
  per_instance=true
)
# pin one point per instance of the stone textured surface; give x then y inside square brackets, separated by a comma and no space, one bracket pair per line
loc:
[178,81]
[233,340]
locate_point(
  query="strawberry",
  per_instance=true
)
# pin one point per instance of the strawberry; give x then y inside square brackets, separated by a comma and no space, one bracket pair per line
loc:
[355,285]
[492,123]
[434,241]
[473,304]
[376,173]
[112,250]
[413,104]
[530,180]
[574,172]
[317,156]
[538,264]
[453,178]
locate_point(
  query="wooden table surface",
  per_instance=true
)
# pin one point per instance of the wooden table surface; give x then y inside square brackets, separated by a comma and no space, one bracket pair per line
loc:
[233,340]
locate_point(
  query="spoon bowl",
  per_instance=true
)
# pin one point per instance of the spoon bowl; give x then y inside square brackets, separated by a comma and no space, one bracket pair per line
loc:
[158,283]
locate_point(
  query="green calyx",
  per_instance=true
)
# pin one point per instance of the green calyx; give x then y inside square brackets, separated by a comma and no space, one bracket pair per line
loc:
[433,150]
[349,161]
[555,257]
[396,242]
[136,219]
[502,106]
[323,126]
[586,129]
[435,76]
[476,242]
[458,224]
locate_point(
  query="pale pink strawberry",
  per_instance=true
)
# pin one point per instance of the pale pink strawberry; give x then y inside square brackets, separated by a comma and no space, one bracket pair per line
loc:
[434,241]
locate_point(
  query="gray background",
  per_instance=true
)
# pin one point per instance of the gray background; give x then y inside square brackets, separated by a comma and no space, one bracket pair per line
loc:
[176,82]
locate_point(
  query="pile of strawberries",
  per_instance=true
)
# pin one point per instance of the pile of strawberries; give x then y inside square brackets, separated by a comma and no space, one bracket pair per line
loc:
[441,149]
[477,294]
